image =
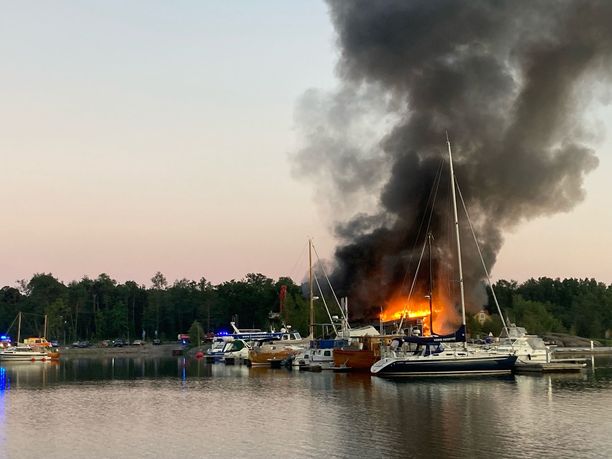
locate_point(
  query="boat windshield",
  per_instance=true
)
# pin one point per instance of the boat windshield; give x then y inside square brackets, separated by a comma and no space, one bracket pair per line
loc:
[218,346]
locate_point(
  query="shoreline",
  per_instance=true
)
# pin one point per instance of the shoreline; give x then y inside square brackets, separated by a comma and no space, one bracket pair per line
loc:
[144,350]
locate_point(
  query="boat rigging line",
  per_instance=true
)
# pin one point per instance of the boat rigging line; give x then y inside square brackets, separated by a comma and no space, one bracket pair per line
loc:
[431,201]
[331,321]
[329,284]
[484,266]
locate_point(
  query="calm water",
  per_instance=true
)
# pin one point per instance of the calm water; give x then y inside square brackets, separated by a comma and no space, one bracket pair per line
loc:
[176,408]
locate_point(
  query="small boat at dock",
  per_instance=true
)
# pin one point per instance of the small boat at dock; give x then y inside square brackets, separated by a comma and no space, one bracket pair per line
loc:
[267,354]
[355,358]
[27,353]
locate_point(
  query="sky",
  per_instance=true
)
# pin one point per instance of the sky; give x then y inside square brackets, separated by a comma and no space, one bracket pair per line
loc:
[148,136]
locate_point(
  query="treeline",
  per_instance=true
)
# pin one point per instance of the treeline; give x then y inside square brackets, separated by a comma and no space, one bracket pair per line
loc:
[102,308]
[580,307]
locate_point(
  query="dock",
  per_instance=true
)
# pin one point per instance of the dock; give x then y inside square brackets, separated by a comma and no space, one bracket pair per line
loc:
[554,366]
[584,350]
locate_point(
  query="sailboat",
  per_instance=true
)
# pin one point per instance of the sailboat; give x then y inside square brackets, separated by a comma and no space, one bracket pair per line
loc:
[434,354]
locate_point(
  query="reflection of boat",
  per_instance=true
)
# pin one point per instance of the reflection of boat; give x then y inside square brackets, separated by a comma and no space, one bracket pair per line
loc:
[431,357]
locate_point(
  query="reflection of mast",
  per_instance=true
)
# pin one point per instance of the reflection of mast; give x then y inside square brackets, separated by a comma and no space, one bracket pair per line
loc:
[429,239]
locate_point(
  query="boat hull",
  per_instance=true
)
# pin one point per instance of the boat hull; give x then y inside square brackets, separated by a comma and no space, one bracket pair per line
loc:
[354,359]
[26,357]
[466,366]
[269,358]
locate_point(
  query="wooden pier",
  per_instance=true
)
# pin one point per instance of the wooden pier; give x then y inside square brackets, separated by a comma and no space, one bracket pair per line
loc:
[554,366]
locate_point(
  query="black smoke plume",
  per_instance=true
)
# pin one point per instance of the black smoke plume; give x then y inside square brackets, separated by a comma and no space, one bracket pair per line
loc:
[509,80]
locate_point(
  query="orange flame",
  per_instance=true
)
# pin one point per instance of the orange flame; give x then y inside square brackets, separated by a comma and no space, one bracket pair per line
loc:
[445,317]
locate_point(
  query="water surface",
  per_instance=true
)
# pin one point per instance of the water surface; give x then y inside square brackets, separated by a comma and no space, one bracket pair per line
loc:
[180,408]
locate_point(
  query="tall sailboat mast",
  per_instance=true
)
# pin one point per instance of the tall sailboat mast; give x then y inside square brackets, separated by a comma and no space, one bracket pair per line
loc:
[452,178]
[19,329]
[431,331]
[311,296]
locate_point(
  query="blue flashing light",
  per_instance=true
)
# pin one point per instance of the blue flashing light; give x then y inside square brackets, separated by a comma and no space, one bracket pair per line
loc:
[222,333]
[5,338]
[5,382]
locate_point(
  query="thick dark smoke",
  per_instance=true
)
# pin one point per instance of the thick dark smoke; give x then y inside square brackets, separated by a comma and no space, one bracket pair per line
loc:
[507,79]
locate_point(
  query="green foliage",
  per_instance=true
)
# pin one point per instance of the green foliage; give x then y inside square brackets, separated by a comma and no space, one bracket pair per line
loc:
[580,306]
[196,333]
[534,316]
[102,308]
[474,330]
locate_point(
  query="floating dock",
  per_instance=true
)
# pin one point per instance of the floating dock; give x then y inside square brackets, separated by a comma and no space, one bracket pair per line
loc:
[554,366]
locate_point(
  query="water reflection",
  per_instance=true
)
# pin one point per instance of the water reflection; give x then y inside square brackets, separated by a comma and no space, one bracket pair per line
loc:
[180,407]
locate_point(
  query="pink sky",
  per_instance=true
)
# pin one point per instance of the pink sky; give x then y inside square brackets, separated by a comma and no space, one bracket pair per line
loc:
[136,140]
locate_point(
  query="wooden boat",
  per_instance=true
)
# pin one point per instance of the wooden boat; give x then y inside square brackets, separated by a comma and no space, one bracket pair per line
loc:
[359,356]
[354,359]
[266,355]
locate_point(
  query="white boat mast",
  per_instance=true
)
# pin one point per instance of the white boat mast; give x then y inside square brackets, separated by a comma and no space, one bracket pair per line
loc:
[311,296]
[452,178]
[19,329]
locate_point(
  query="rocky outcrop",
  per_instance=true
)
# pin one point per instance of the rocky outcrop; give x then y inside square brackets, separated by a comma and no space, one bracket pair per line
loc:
[565,340]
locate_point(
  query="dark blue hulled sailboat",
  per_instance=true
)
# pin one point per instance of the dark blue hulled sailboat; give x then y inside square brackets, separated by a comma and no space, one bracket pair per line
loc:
[436,356]
[443,355]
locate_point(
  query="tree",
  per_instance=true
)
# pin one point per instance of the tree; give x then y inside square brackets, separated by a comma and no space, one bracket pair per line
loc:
[534,316]
[57,312]
[159,285]
[196,333]
[159,281]
[587,318]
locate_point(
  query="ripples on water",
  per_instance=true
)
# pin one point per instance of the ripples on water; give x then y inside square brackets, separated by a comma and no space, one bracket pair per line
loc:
[176,408]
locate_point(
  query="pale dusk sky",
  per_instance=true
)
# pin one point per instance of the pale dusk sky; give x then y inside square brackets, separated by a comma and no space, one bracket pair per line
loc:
[149,136]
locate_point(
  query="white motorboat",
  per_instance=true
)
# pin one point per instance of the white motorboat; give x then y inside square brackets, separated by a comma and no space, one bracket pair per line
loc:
[24,354]
[235,351]
[527,348]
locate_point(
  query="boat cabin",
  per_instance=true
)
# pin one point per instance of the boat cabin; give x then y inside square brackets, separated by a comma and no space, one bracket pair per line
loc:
[37,342]
[293,336]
